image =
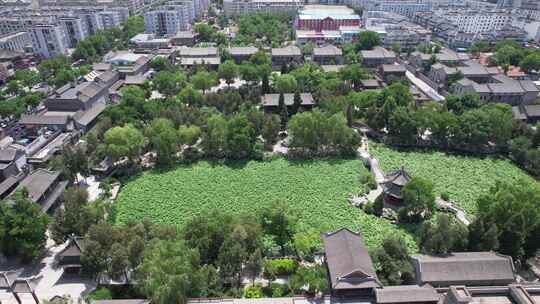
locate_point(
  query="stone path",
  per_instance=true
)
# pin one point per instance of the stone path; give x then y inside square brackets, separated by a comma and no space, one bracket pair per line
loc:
[378,173]
[363,153]
[453,208]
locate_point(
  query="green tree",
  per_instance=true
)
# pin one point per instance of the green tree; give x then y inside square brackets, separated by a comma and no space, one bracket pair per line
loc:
[239,137]
[392,262]
[309,280]
[75,218]
[530,63]
[27,78]
[190,96]
[249,73]
[271,127]
[354,73]
[228,71]
[483,236]
[188,135]
[214,137]
[277,220]
[205,31]
[254,265]
[402,126]
[232,255]
[515,210]
[168,273]
[163,139]
[161,64]
[22,228]
[204,80]
[443,236]
[124,141]
[367,40]
[169,83]
[418,200]
[134,25]
[285,84]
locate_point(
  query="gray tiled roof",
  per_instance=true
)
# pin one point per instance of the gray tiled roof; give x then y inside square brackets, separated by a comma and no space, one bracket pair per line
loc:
[463,267]
[272,100]
[43,119]
[86,117]
[8,154]
[393,68]
[378,53]
[348,261]
[197,51]
[406,294]
[200,60]
[242,50]
[291,50]
[328,50]
[38,182]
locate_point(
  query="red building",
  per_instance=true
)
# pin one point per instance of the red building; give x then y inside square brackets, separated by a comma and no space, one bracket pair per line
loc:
[326,17]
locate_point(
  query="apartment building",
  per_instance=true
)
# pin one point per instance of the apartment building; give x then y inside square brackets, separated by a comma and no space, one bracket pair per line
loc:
[402,7]
[395,29]
[110,19]
[169,19]
[49,40]
[75,29]
[15,42]
[240,7]
[479,21]
[132,6]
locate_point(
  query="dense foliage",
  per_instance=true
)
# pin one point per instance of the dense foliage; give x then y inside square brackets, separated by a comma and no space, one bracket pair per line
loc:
[269,29]
[463,178]
[315,190]
[508,219]
[22,228]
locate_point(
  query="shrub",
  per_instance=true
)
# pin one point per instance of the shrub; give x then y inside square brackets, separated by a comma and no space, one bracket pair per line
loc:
[276,290]
[101,293]
[445,196]
[280,267]
[253,292]
[367,178]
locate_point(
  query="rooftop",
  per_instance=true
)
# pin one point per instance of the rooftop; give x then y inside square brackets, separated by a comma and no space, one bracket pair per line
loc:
[272,100]
[291,50]
[38,182]
[348,261]
[328,50]
[378,53]
[460,267]
[327,11]
[404,294]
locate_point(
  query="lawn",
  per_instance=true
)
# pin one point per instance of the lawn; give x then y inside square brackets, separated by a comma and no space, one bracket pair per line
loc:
[464,178]
[315,190]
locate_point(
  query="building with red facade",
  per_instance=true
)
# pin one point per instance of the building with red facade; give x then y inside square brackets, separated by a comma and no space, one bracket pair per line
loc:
[326,18]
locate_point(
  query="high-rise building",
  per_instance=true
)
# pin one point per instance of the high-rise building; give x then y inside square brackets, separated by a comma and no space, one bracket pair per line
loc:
[402,7]
[75,28]
[49,40]
[169,19]
[240,7]
[15,42]
[479,21]
[109,19]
